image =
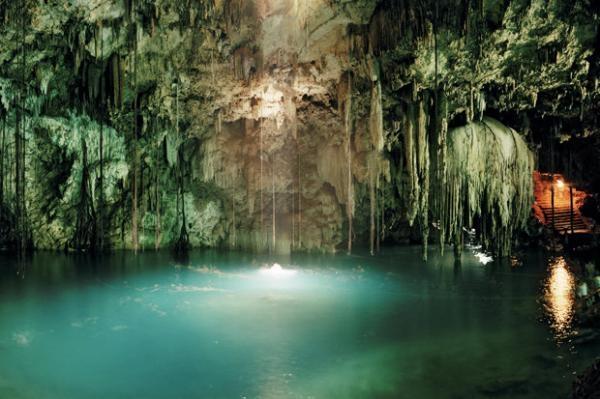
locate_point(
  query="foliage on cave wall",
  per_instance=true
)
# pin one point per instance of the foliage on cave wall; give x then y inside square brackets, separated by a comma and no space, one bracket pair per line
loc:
[272,125]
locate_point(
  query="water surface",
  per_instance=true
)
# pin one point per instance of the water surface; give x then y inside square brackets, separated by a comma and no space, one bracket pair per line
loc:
[219,326]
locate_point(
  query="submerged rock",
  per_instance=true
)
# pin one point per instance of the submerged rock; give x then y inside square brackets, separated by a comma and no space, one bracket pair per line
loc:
[587,385]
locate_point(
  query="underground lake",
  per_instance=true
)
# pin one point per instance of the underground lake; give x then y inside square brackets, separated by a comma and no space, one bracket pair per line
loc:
[234,325]
[286,199]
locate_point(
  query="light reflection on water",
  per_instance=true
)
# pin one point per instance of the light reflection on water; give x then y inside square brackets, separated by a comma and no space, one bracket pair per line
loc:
[559,296]
[231,325]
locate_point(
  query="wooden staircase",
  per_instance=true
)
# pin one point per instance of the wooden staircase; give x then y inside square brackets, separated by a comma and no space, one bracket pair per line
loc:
[560,218]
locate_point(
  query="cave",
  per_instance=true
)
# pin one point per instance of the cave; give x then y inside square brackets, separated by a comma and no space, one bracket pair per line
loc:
[299,198]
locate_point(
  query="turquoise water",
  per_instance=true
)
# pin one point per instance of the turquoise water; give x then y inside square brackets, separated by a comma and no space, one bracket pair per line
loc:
[224,325]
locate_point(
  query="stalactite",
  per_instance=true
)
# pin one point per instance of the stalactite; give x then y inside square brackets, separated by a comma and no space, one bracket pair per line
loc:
[182,244]
[377,214]
[420,183]
[350,189]
[157,232]
[2,156]
[84,238]
[488,176]
[219,122]
[233,235]
[410,156]
[123,200]
[441,116]
[117,80]
[20,208]
[20,198]
[299,200]
[382,215]
[135,160]
[423,174]
[142,196]
[376,118]
[582,93]
[100,245]
[293,216]
[334,164]
[471,113]
[212,66]
[274,207]
[100,223]
[12,172]
[260,183]
[371,173]
[376,143]
[395,20]
[439,130]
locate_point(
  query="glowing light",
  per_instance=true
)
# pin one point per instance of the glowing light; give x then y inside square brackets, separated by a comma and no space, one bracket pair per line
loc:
[271,106]
[560,184]
[559,295]
[277,271]
[483,258]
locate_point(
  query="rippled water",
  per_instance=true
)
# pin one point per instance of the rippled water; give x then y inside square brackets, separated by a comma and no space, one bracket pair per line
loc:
[559,297]
[222,325]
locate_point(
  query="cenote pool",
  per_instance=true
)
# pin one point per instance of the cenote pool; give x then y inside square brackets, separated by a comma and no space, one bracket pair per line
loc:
[221,325]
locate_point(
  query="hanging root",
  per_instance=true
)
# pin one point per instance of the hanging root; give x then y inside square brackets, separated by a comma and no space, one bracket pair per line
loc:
[182,245]
[84,238]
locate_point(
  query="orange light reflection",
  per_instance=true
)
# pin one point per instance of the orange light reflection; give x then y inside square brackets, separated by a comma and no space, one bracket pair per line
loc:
[559,296]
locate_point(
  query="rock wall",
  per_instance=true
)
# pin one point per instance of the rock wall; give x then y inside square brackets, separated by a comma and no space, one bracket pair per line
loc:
[269,124]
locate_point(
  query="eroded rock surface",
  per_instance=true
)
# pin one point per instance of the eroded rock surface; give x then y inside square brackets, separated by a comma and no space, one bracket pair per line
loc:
[274,124]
